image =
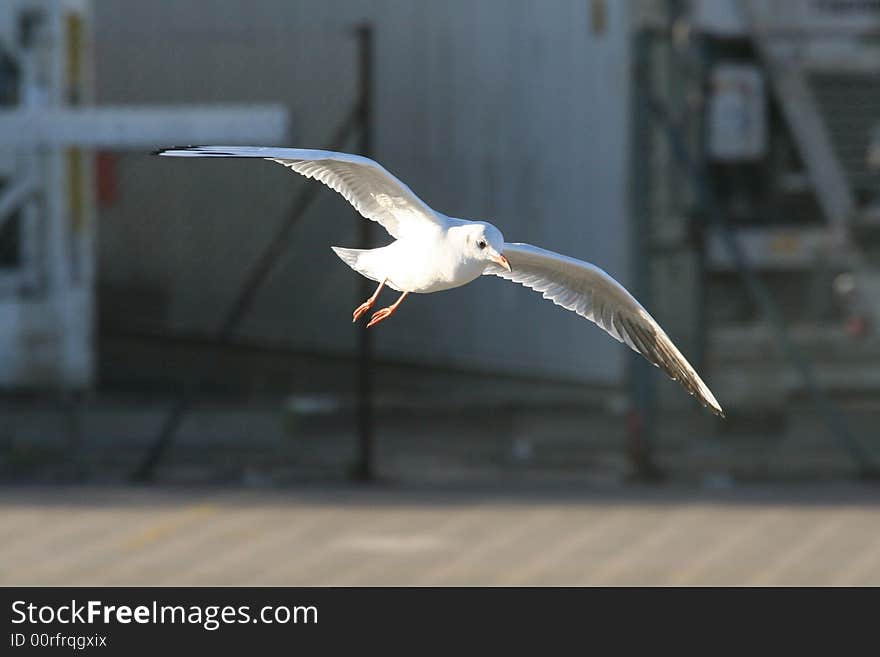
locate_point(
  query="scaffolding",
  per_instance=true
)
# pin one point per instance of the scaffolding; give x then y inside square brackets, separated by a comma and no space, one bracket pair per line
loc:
[761,199]
[49,126]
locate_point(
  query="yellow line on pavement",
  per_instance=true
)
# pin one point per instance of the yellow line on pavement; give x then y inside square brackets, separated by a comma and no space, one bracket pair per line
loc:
[155,533]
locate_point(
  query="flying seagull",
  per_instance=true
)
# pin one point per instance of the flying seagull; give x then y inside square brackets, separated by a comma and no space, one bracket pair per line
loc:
[433,252]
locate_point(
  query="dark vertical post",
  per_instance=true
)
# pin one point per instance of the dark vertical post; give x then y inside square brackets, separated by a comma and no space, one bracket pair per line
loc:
[363,467]
[73,402]
[698,221]
[640,430]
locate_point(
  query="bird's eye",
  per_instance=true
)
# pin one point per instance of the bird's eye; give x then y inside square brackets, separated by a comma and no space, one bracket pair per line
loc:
[482,244]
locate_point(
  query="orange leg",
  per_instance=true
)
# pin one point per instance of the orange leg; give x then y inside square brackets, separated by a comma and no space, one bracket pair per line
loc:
[366,305]
[385,313]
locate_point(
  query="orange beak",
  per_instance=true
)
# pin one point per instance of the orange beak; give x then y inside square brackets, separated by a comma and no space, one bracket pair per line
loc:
[501,260]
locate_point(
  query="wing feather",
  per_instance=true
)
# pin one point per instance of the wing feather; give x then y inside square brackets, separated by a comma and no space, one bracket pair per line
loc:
[374,192]
[591,293]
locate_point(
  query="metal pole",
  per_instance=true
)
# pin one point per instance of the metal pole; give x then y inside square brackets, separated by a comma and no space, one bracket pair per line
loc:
[640,425]
[363,467]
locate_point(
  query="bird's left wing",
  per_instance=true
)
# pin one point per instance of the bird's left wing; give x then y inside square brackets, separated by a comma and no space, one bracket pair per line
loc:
[591,293]
[364,183]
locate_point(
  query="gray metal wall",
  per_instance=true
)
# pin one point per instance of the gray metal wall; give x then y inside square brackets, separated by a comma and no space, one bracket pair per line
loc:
[513,111]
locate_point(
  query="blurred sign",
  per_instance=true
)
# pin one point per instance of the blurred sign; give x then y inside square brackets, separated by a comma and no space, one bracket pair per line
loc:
[737,113]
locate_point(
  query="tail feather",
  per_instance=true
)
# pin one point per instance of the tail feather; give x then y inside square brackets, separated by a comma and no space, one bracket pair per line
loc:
[348,256]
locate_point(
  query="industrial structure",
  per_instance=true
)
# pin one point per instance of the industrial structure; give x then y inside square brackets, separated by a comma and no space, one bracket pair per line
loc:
[49,127]
[779,102]
[719,157]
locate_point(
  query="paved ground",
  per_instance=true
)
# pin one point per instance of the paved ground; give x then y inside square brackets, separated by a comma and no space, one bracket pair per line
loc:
[519,534]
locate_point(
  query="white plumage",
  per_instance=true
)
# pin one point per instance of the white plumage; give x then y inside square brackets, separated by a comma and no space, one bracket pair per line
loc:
[433,252]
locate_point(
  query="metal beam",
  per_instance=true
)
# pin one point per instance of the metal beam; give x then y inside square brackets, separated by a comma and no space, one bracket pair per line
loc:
[14,194]
[120,127]
[776,248]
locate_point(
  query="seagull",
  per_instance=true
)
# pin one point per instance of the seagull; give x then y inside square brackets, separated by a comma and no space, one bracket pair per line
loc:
[433,252]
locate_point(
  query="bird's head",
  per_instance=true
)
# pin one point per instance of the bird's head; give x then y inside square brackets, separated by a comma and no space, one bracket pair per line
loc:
[484,242]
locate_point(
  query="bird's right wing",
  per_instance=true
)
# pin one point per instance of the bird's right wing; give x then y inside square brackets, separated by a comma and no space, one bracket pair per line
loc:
[591,293]
[373,192]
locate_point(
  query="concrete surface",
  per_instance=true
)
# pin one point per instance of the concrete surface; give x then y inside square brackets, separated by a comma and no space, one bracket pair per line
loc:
[516,534]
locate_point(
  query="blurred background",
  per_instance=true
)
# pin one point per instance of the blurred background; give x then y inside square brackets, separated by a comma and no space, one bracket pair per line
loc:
[184,399]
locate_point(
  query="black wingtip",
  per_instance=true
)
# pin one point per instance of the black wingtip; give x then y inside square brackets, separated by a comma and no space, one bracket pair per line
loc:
[197,151]
[174,148]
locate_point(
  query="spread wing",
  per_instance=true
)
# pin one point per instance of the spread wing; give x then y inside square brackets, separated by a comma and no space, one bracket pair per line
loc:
[373,192]
[591,293]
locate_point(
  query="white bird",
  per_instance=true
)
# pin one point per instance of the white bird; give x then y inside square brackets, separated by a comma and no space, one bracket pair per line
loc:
[433,252]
